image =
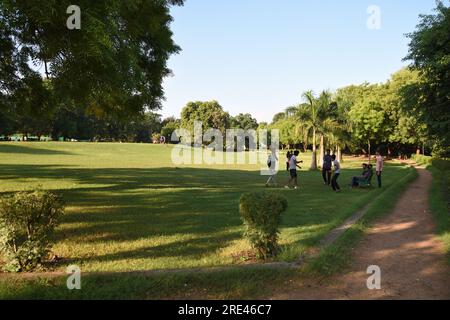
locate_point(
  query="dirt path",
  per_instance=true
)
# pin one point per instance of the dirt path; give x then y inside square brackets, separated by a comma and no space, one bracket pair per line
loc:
[403,245]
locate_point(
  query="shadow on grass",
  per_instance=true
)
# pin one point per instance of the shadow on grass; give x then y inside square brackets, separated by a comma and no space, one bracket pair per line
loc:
[185,213]
[22,149]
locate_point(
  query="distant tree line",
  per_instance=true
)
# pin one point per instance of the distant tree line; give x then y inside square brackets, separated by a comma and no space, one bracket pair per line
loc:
[409,113]
[357,118]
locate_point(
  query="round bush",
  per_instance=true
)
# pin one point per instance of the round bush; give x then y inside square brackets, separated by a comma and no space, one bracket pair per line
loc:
[261,213]
[27,221]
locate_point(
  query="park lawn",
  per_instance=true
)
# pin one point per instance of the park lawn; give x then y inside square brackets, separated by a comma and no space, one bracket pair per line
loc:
[439,200]
[128,208]
[228,283]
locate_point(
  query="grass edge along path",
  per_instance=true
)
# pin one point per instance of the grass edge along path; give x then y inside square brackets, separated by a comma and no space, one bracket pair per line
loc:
[439,196]
[439,206]
[236,282]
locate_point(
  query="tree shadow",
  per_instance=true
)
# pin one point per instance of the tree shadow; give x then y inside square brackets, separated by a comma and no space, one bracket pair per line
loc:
[21,149]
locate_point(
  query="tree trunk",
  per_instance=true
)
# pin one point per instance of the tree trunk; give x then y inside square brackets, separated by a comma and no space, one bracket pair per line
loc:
[305,146]
[322,151]
[339,154]
[314,153]
[46,69]
[368,145]
[418,150]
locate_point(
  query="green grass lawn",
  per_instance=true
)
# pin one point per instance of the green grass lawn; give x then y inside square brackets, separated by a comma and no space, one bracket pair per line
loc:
[439,200]
[129,208]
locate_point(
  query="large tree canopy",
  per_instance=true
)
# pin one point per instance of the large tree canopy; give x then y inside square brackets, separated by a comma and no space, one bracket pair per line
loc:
[244,121]
[210,113]
[114,64]
[429,51]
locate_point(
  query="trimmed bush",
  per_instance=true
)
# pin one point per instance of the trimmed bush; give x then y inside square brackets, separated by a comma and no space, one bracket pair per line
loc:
[27,222]
[261,213]
[422,160]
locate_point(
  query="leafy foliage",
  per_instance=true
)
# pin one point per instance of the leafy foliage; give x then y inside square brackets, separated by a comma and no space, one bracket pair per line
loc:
[169,127]
[210,113]
[114,64]
[422,160]
[429,51]
[73,123]
[261,213]
[244,121]
[27,221]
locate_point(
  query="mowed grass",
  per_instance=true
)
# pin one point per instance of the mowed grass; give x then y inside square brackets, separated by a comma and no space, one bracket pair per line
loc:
[440,202]
[129,208]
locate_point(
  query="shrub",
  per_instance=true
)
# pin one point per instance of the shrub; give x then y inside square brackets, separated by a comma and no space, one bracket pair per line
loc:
[27,221]
[261,213]
[156,137]
[422,160]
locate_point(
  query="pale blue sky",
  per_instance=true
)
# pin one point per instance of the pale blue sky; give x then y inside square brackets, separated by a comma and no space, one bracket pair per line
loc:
[258,56]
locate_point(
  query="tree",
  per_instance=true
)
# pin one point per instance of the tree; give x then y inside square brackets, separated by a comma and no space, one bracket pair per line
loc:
[279,116]
[288,134]
[263,126]
[244,121]
[341,135]
[429,51]
[114,64]
[314,118]
[33,107]
[145,126]
[407,128]
[72,123]
[6,123]
[369,120]
[169,126]
[328,122]
[210,113]
[309,116]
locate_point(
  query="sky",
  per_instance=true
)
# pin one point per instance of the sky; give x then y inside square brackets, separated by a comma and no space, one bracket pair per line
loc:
[258,56]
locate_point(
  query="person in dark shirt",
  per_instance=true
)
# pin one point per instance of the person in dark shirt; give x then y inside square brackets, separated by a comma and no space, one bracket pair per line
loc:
[288,158]
[326,168]
[365,174]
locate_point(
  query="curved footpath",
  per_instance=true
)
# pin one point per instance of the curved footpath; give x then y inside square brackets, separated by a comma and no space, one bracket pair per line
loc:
[403,245]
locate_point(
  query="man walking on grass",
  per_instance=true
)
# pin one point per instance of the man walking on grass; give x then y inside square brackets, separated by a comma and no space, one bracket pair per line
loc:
[293,165]
[326,168]
[337,172]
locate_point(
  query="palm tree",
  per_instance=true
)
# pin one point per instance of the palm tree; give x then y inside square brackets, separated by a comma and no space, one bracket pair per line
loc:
[309,116]
[317,116]
[299,133]
[338,138]
[302,131]
[328,115]
[342,132]
[290,111]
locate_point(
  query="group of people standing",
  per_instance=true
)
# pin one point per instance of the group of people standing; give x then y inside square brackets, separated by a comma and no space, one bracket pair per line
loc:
[331,170]
[330,177]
